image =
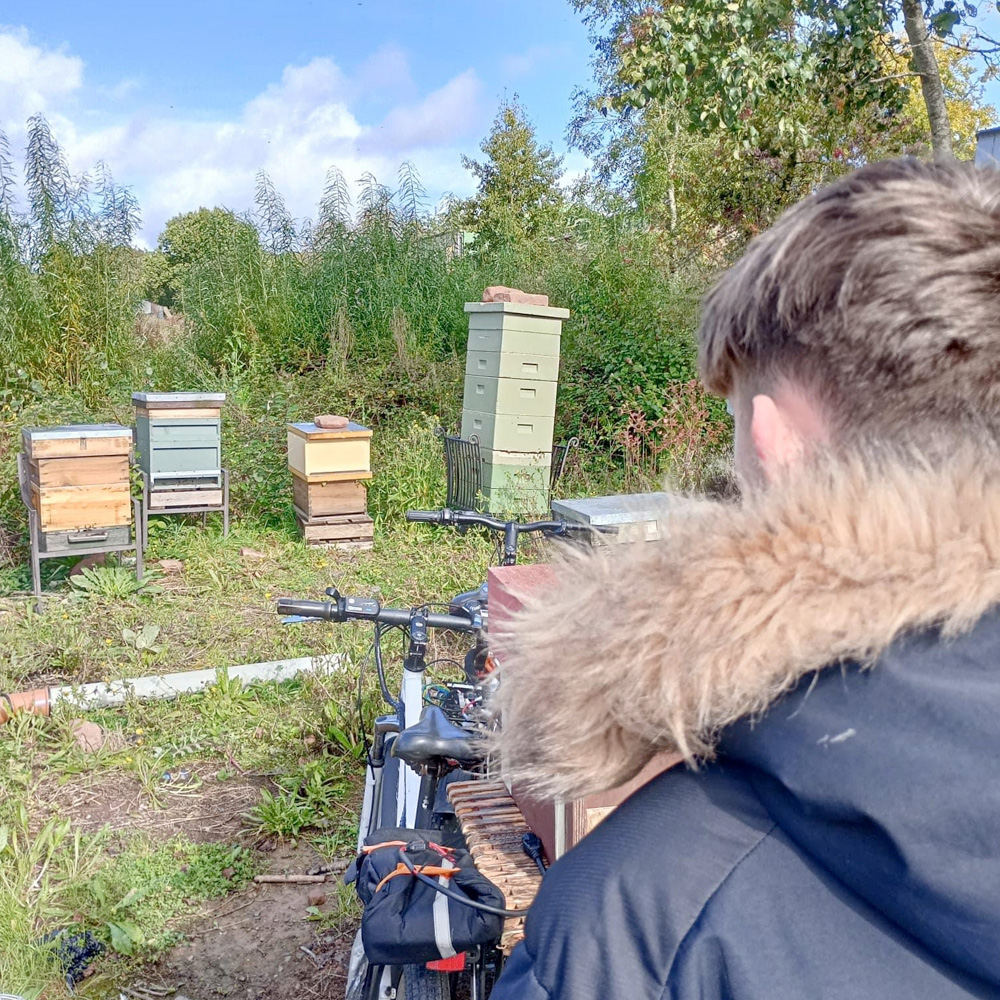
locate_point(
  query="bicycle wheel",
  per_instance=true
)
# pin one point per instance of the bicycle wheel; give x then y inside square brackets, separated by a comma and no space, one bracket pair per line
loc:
[421,983]
[357,972]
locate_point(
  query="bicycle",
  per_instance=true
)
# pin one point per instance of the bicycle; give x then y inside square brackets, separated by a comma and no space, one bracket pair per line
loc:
[439,741]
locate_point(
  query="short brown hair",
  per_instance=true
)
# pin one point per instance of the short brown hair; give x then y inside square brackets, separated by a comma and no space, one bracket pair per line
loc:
[882,291]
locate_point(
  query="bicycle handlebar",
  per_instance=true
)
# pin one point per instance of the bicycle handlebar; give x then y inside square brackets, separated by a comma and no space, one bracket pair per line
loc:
[342,609]
[469,517]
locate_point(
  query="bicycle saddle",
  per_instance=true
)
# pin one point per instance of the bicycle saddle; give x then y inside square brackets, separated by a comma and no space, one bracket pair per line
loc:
[435,736]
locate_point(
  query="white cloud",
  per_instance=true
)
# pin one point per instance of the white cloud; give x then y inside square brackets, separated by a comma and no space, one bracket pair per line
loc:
[385,71]
[32,79]
[295,129]
[525,63]
[122,89]
[441,116]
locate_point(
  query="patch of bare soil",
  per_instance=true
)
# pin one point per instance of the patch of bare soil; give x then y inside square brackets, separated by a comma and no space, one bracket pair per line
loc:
[259,945]
[195,804]
[254,945]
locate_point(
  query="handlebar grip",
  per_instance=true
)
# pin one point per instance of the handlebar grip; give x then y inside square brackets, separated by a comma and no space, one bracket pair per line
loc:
[306,609]
[426,516]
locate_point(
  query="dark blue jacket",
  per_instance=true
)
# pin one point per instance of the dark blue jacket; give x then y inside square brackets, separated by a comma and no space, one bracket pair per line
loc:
[845,846]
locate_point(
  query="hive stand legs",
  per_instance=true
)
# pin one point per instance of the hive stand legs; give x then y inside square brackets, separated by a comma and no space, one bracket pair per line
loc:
[36,562]
[139,508]
[143,540]
[225,503]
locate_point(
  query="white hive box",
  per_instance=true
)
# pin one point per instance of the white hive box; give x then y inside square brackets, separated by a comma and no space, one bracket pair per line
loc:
[635,517]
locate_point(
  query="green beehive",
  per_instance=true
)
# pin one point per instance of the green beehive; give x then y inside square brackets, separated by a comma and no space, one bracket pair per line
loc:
[508,431]
[514,328]
[179,438]
[515,472]
[518,396]
[511,377]
[496,364]
[520,486]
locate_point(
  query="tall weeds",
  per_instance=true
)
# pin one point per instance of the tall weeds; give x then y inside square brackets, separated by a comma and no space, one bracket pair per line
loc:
[69,276]
[360,311]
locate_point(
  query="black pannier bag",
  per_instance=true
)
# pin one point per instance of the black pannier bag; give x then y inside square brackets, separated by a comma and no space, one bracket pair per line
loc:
[405,921]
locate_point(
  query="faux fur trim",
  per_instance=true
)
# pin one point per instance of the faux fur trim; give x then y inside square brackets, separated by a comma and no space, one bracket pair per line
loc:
[657,646]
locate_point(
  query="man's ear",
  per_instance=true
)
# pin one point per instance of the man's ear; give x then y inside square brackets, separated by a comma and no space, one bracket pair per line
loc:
[775,439]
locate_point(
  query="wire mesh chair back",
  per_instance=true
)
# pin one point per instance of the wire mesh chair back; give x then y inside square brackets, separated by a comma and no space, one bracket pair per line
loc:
[464,465]
[559,455]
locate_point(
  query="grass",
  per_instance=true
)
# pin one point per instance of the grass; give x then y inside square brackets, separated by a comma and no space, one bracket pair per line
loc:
[298,741]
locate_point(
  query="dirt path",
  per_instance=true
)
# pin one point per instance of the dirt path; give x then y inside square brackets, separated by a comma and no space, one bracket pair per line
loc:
[251,946]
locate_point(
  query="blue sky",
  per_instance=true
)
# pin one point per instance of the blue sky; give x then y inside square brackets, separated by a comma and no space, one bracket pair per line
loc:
[186,100]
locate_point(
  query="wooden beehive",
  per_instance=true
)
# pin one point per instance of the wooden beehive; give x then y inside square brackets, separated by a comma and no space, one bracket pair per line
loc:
[78,476]
[179,439]
[319,454]
[329,499]
[328,470]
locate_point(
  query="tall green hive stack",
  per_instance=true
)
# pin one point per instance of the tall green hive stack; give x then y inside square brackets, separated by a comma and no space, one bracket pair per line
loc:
[511,375]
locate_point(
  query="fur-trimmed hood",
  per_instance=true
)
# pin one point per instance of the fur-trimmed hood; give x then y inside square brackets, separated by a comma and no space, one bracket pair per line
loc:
[661,645]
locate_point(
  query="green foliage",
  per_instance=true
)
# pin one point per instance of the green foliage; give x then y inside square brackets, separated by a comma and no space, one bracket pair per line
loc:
[69,279]
[410,471]
[141,642]
[56,878]
[113,582]
[519,196]
[131,899]
[306,799]
[207,235]
[33,864]
[712,118]
[758,72]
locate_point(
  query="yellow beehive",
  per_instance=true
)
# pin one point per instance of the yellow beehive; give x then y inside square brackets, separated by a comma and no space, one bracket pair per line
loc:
[318,454]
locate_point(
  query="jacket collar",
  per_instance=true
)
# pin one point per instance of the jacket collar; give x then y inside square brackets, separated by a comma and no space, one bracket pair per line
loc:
[656,647]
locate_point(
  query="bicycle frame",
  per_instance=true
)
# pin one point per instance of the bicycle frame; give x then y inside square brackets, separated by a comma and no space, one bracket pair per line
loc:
[396,794]
[411,699]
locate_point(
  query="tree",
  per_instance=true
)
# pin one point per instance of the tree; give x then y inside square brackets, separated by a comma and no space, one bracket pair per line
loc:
[192,238]
[274,223]
[926,66]
[711,179]
[519,195]
[962,88]
[758,71]
[729,62]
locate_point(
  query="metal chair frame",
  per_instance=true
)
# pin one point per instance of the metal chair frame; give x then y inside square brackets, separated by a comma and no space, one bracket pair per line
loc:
[559,455]
[464,465]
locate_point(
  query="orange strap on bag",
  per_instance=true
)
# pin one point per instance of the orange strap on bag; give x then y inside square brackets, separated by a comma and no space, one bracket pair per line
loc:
[429,870]
[445,852]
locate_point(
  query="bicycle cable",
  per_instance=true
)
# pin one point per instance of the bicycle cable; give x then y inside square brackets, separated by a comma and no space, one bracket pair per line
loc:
[457,896]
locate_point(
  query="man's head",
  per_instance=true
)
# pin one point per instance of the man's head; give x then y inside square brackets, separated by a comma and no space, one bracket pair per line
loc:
[868,315]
